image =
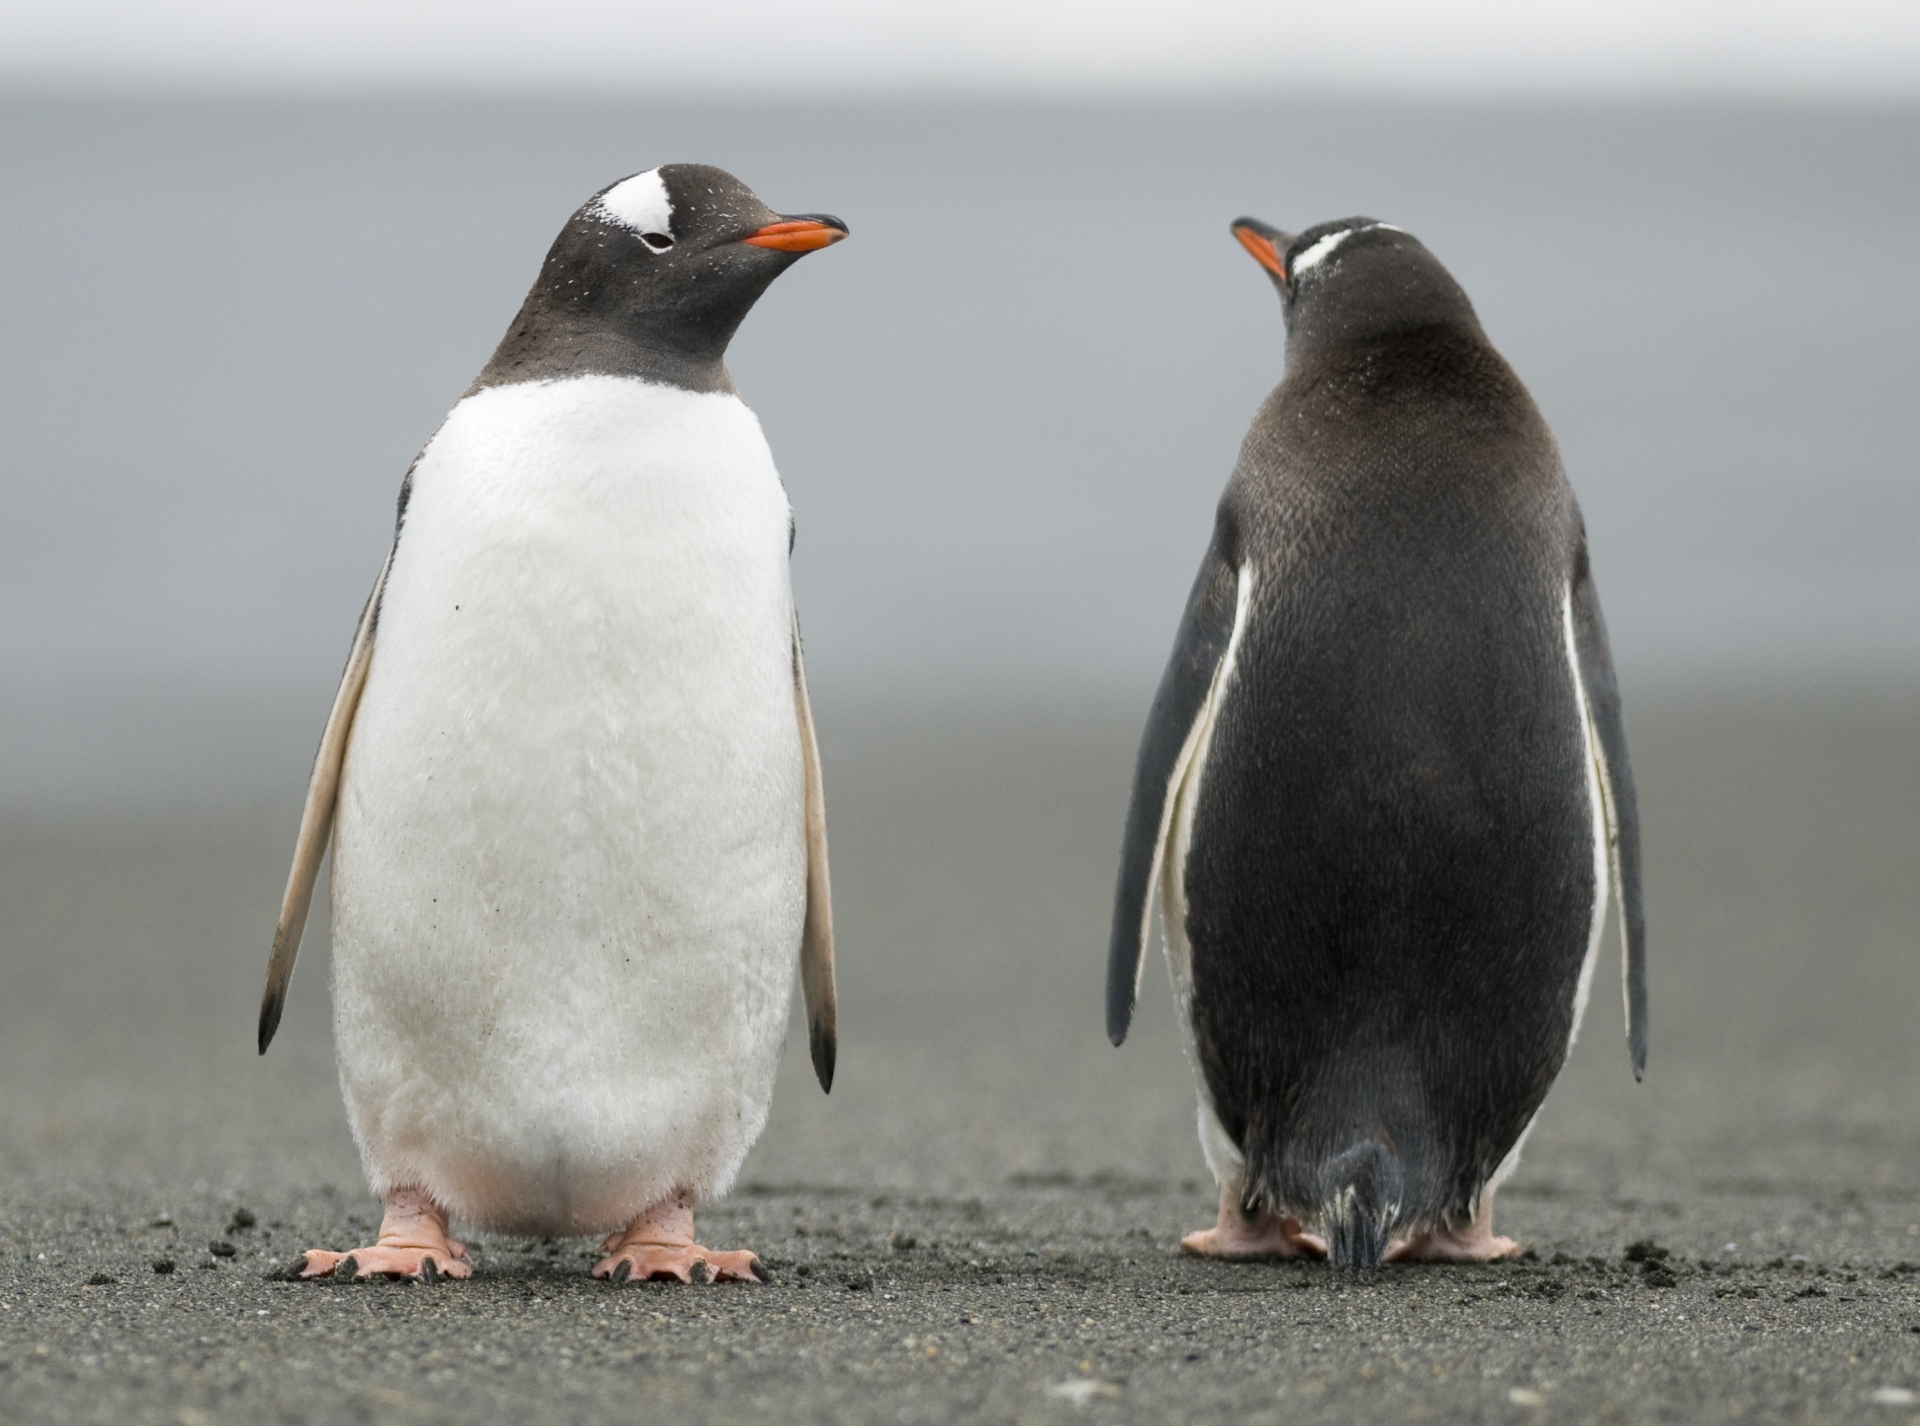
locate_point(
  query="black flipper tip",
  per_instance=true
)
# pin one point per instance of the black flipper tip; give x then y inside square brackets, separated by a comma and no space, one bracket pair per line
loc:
[824,1046]
[1123,989]
[1119,1020]
[270,1009]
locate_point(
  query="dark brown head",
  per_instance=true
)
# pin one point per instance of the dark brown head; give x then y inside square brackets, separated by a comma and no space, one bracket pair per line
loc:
[1354,281]
[652,277]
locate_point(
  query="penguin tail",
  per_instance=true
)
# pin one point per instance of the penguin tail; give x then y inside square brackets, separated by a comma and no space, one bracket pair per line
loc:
[1361,1204]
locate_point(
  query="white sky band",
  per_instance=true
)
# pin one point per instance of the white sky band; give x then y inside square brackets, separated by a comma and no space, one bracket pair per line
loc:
[1473,48]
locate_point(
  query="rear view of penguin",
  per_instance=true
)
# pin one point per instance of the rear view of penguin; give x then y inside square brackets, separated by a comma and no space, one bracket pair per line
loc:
[1383,792]
[570,776]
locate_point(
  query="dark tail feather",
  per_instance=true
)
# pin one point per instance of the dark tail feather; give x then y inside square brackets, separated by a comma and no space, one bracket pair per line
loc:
[1362,1203]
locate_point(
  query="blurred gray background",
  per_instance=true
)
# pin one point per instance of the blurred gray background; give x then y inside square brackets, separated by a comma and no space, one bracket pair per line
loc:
[1003,411]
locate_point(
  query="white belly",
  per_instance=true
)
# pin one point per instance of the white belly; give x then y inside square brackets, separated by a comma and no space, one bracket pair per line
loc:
[570,861]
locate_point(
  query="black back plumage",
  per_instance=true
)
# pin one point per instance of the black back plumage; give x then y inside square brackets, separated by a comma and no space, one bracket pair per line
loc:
[1390,882]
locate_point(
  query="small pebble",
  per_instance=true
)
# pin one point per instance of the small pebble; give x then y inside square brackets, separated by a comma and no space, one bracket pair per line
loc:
[163,1265]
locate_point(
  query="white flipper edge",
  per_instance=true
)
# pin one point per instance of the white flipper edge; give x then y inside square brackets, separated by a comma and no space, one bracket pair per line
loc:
[1167,890]
[1606,837]
[816,936]
[1176,821]
[1610,872]
[316,819]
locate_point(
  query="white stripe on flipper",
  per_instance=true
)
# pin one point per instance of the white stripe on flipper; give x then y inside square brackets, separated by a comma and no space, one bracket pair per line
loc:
[1169,879]
[1597,801]
[640,203]
[1193,754]
[1602,843]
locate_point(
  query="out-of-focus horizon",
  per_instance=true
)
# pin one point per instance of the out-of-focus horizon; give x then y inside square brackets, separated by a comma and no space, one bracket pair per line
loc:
[1116,48]
[252,255]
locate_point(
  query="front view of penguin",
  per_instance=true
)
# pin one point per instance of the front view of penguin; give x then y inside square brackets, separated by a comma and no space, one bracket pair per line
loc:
[579,845]
[1383,791]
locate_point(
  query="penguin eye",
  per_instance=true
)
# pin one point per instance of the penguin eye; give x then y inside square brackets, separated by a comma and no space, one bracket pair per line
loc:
[657,242]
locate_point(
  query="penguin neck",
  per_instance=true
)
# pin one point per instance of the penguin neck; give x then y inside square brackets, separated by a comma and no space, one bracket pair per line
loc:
[1322,351]
[546,346]
[1403,294]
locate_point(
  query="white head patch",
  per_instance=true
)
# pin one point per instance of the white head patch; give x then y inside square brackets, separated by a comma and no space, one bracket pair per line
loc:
[1324,247]
[640,203]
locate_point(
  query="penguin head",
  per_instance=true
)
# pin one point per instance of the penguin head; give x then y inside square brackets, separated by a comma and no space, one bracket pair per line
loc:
[1354,280]
[665,264]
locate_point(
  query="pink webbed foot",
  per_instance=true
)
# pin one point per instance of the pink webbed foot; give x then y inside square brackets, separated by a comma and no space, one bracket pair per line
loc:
[658,1246]
[1265,1235]
[1474,1243]
[413,1244]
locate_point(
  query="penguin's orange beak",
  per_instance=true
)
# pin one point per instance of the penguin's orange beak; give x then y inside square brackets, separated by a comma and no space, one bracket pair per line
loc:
[798,235]
[1262,248]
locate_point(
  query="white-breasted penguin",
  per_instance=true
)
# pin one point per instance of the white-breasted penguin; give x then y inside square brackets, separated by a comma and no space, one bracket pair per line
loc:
[1383,791]
[579,843]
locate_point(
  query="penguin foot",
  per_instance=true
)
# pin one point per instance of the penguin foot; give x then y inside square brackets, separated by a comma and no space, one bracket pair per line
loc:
[658,1246]
[413,1244]
[673,1262]
[1475,1243]
[1264,1235]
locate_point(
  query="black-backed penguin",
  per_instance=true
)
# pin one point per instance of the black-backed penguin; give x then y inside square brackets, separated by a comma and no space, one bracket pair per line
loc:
[579,845]
[1383,791]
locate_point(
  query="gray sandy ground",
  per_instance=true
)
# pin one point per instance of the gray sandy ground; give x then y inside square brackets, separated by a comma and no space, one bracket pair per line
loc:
[980,1223]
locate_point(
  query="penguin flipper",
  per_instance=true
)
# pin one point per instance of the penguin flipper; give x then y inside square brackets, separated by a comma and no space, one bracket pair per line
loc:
[1174,724]
[1616,783]
[816,935]
[316,819]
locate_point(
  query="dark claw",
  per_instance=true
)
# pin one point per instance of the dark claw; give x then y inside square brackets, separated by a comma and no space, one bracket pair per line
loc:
[700,1272]
[622,1270]
[762,1271]
[291,1272]
[429,1271]
[348,1266]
